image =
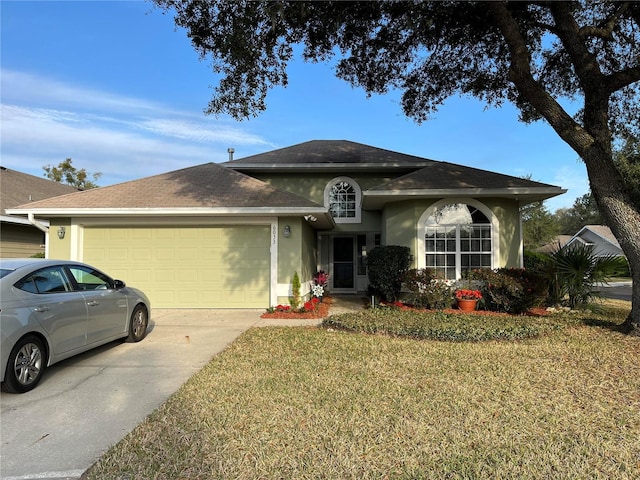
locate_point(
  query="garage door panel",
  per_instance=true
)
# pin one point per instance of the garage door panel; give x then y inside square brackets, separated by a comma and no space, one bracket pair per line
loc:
[206,267]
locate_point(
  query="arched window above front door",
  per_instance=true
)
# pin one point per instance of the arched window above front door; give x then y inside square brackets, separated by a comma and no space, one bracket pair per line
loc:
[343,197]
[457,237]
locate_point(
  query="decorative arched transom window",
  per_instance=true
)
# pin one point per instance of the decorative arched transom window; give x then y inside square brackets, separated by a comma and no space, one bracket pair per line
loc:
[343,197]
[458,238]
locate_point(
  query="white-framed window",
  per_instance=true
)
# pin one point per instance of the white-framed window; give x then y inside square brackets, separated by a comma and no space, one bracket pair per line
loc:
[457,237]
[343,197]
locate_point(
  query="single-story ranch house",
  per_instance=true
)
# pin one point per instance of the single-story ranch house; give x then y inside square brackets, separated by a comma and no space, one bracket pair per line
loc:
[233,234]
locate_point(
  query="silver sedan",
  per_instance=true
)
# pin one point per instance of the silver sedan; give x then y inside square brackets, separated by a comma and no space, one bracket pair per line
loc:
[53,309]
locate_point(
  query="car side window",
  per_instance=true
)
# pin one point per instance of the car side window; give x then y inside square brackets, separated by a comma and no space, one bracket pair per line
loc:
[47,280]
[89,279]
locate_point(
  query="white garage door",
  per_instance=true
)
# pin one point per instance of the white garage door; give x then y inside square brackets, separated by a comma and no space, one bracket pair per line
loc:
[186,267]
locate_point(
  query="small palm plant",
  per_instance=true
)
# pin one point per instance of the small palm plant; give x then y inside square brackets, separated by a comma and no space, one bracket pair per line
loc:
[576,270]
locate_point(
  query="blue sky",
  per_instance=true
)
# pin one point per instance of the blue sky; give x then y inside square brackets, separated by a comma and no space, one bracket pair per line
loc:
[117,88]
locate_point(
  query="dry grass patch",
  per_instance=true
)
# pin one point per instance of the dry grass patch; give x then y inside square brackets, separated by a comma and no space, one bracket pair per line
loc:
[311,403]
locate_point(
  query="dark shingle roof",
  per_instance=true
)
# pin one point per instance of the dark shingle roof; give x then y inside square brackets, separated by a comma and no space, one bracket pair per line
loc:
[17,188]
[328,152]
[443,175]
[208,185]
[442,180]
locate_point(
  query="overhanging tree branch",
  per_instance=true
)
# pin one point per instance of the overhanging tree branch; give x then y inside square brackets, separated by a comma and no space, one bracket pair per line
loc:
[521,75]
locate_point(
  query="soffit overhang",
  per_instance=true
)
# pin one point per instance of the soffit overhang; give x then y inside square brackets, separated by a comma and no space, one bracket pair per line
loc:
[319,219]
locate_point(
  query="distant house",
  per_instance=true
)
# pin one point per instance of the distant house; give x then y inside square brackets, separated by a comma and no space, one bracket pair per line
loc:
[233,234]
[19,237]
[602,239]
[554,245]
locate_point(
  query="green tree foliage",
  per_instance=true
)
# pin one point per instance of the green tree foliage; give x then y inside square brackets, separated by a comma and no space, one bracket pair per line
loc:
[66,173]
[532,54]
[627,160]
[538,224]
[584,211]
[387,266]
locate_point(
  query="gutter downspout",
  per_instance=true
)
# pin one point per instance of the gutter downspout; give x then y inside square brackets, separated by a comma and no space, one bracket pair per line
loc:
[32,220]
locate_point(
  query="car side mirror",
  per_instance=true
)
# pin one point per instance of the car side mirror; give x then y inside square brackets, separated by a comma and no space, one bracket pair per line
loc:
[118,284]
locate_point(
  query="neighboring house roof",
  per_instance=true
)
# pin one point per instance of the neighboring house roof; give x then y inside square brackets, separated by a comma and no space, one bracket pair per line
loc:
[204,189]
[590,234]
[17,188]
[554,245]
[601,231]
[600,236]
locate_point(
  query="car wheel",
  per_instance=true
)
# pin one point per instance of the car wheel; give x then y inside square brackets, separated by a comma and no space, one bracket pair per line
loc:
[138,324]
[26,363]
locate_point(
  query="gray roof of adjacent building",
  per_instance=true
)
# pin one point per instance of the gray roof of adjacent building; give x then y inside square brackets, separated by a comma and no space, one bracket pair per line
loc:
[17,188]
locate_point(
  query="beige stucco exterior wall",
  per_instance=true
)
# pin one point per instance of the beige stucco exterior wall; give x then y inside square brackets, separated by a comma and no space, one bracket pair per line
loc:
[296,253]
[312,186]
[59,248]
[508,214]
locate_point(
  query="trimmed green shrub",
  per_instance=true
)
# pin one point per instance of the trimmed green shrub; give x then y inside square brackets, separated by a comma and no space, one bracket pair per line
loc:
[511,290]
[294,301]
[426,290]
[387,266]
[534,260]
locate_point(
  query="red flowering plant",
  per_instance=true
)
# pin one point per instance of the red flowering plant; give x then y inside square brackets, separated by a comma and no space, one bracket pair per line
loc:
[465,294]
[311,305]
[321,278]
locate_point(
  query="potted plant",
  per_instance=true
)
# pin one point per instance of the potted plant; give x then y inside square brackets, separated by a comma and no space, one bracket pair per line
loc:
[468,299]
[320,280]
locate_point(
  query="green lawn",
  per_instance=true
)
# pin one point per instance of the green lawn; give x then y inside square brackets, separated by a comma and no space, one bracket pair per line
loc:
[313,403]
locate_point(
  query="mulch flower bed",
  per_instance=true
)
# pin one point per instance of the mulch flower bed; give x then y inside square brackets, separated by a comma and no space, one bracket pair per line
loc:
[534,312]
[321,310]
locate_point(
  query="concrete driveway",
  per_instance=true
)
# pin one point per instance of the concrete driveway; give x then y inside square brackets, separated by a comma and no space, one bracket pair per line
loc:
[616,290]
[85,404]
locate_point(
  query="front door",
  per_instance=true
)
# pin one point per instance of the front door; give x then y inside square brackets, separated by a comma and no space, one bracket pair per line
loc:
[343,263]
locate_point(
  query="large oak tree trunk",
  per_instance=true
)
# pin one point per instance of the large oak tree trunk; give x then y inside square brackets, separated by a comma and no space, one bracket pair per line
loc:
[592,140]
[617,207]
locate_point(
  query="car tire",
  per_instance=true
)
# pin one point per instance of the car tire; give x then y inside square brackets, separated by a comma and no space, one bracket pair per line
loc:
[138,324]
[26,364]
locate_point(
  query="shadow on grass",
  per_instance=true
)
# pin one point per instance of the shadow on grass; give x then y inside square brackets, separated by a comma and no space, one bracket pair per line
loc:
[606,324]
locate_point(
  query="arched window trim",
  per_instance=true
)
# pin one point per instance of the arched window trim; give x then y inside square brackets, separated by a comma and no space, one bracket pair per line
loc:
[421,228]
[358,192]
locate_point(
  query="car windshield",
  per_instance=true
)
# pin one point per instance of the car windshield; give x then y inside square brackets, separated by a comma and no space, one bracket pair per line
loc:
[4,272]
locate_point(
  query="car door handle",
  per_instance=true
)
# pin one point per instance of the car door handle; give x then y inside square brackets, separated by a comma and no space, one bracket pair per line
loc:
[41,309]
[93,303]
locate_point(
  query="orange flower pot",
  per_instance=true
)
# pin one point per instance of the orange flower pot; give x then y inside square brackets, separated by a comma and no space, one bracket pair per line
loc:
[467,305]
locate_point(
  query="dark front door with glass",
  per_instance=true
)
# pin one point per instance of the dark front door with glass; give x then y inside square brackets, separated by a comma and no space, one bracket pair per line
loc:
[343,263]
